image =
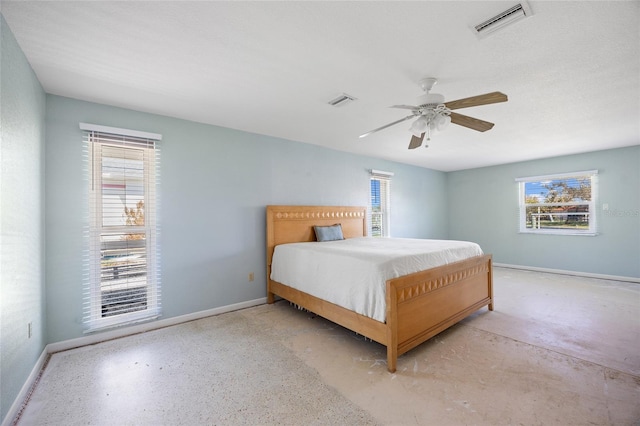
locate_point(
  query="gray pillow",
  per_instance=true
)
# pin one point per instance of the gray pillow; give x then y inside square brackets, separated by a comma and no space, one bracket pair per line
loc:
[329,233]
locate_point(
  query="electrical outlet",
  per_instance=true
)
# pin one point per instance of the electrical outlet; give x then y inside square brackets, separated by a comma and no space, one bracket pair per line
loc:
[251,276]
[30,330]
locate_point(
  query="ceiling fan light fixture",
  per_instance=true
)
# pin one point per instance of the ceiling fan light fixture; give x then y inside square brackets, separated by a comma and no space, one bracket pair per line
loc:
[442,122]
[419,126]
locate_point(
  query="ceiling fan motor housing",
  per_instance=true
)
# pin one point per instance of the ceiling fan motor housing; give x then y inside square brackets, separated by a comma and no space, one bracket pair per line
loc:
[430,99]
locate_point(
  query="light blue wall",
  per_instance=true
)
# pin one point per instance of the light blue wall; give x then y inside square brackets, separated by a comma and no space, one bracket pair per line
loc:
[215,184]
[22,107]
[483,207]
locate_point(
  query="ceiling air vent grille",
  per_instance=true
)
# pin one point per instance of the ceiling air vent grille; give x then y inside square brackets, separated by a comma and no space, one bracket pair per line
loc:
[501,20]
[341,100]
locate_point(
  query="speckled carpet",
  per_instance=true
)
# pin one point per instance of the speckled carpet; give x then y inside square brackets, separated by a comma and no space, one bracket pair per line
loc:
[215,371]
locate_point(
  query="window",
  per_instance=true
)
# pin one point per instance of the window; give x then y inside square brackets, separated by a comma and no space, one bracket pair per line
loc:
[380,188]
[123,283]
[559,204]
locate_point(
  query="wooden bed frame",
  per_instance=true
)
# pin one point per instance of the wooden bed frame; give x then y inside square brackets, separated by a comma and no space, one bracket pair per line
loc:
[419,305]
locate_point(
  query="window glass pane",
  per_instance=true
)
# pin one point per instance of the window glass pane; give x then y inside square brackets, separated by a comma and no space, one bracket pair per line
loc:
[123,273]
[122,187]
[375,195]
[549,217]
[559,190]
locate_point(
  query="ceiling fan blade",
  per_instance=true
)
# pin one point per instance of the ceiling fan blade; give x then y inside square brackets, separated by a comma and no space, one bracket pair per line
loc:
[470,122]
[411,107]
[487,98]
[408,117]
[416,141]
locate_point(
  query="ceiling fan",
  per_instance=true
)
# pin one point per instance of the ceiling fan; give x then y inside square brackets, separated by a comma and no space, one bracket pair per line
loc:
[433,113]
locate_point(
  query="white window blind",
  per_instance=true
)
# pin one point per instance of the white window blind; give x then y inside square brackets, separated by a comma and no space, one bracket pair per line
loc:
[380,191]
[122,282]
[561,204]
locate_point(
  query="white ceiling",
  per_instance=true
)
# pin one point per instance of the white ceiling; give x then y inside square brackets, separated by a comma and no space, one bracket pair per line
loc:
[571,71]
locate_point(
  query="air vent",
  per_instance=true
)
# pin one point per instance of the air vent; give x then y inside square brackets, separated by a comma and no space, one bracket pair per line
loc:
[501,20]
[341,100]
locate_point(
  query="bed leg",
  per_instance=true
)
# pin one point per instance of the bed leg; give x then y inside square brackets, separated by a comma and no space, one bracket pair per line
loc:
[490,280]
[271,298]
[392,358]
[392,327]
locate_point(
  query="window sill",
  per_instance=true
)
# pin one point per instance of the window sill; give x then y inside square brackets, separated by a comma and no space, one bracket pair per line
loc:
[583,234]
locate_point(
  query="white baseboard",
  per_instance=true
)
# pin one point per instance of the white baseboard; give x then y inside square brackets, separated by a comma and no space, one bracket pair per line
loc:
[574,273]
[15,408]
[116,333]
[109,335]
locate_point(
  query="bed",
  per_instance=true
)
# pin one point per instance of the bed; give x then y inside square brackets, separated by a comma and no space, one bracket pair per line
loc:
[417,306]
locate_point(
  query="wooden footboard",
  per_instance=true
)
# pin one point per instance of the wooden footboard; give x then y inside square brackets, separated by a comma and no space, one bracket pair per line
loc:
[423,304]
[419,305]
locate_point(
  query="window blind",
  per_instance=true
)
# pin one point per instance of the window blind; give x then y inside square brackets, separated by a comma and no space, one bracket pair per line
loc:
[122,279]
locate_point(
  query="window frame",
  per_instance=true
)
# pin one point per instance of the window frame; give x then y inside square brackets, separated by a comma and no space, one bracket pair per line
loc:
[96,138]
[590,213]
[384,180]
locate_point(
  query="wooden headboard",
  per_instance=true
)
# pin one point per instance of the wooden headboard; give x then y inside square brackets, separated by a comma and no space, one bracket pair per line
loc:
[292,224]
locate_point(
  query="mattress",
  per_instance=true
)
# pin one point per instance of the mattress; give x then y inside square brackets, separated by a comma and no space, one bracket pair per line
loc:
[352,273]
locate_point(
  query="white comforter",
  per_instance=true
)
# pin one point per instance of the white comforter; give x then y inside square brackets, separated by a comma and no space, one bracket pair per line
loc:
[352,273]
